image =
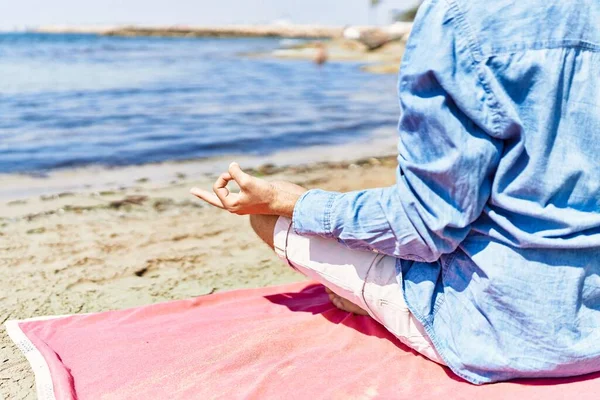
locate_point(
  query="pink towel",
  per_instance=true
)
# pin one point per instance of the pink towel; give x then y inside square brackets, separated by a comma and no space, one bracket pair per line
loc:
[272,343]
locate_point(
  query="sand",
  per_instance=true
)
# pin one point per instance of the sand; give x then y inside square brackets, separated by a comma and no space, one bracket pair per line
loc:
[95,249]
[383,60]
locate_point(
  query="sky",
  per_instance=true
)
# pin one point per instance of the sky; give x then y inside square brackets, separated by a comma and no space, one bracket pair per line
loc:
[19,14]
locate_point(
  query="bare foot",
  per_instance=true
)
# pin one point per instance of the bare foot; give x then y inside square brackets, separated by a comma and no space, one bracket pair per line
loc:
[344,304]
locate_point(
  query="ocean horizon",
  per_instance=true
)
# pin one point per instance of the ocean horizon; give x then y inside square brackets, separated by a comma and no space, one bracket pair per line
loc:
[73,100]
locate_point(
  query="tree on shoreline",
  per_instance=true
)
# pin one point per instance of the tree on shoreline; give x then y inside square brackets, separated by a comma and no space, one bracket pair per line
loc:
[406,15]
[402,16]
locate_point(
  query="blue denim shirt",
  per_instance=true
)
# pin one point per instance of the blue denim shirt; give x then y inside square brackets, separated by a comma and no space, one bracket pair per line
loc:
[495,217]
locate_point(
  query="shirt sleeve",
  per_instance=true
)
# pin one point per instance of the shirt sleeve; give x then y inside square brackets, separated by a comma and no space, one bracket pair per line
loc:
[447,153]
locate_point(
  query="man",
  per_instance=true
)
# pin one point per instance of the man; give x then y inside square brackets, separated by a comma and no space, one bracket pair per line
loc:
[485,256]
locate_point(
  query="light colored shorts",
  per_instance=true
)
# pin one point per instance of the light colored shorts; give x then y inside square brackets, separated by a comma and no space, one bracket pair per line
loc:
[365,278]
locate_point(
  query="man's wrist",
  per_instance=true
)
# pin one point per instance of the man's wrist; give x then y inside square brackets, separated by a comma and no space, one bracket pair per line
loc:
[285,197]
[284,203]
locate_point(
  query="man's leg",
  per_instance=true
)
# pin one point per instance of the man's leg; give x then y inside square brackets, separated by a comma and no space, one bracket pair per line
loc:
[264,226]
[356,280]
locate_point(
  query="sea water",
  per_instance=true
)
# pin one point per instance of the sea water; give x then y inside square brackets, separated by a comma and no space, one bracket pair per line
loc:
[76,100]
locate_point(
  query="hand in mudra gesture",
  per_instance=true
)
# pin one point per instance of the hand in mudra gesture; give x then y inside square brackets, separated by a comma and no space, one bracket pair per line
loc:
[256,196]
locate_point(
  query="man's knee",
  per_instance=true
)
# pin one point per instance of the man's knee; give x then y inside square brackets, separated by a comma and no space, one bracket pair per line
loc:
[264,226]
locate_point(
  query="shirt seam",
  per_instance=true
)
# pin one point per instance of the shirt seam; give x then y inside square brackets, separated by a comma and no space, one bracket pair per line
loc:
[295,211]
[498,114]
[327,215]
[546,45]
[472,42]
[476,53]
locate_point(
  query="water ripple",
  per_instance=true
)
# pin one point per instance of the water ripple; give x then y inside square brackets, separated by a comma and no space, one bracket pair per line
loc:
[72,100]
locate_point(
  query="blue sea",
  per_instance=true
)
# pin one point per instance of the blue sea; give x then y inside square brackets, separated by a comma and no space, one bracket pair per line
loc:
[77,100]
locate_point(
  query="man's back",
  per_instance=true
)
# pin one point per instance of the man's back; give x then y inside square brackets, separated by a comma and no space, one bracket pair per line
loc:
[545,59]
[494,222]
[520,296]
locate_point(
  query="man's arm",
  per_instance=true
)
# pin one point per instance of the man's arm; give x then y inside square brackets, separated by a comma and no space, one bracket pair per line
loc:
[448,151]
[256,196]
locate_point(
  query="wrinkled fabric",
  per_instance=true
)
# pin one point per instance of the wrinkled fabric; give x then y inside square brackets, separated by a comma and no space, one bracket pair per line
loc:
[286,342]
[495,217]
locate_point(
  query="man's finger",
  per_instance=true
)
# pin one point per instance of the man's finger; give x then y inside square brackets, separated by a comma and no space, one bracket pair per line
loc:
[220,188]
[207,196]
[221,182]
[241,178]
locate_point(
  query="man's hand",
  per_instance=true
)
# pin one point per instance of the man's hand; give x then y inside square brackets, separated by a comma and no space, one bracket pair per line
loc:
[256,196]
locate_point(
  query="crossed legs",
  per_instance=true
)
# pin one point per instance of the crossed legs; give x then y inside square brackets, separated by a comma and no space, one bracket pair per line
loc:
[356,281]
[264,226]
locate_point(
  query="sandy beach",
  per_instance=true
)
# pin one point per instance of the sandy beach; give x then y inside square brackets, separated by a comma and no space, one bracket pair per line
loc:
[382,60]
[142,242]
[92,239]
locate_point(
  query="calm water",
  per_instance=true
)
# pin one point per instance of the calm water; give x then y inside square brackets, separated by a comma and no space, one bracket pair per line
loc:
[72,100]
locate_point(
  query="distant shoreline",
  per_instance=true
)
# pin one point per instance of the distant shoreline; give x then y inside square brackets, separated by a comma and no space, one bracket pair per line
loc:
[227,31]
[283,31]
[381,47]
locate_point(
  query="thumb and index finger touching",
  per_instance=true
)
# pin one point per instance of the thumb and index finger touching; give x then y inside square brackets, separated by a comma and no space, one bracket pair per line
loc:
[239,176]
[222,197]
